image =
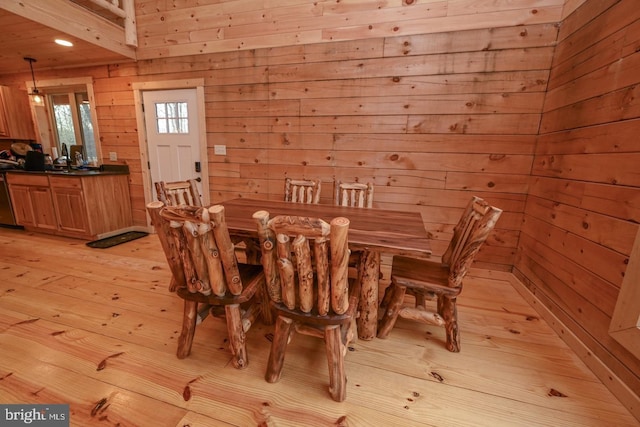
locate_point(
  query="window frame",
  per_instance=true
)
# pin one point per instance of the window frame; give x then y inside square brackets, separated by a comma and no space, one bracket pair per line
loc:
[79,84]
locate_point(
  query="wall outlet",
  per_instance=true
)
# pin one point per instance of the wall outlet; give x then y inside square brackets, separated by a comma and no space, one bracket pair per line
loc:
[220,150]
[113,156]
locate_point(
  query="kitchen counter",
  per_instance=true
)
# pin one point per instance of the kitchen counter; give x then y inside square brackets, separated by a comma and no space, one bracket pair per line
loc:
[110,170]
[86,204]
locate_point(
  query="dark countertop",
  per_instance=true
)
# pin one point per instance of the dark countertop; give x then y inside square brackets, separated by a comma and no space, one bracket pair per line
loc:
[104,170]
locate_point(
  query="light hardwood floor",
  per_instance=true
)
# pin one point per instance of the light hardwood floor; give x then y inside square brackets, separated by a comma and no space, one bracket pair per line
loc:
[97,328]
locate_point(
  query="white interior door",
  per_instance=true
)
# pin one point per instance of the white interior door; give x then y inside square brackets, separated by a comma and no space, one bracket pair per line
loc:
[171,122]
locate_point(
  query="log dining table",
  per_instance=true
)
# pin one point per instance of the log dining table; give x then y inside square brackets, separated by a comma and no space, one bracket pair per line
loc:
[371,230]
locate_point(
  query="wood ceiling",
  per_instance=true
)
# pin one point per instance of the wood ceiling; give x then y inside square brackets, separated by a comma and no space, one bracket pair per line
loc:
[21,37]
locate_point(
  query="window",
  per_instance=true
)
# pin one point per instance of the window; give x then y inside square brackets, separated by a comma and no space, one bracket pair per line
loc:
[68,116]
[71,117]
[172,117]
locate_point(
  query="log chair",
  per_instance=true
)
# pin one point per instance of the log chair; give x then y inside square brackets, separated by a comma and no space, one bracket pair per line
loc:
[207,274]
[426,279]
[305,261]
[302,190]
[353,194]
[179,193]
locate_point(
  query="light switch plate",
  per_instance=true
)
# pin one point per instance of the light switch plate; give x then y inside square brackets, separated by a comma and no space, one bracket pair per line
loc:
[113,156]
[220,150]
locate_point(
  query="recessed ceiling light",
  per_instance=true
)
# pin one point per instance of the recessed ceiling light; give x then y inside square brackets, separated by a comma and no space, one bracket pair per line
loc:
[62,42]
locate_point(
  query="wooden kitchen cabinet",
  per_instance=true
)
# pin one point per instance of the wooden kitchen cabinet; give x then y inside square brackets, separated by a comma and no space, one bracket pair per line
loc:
[86,206]
[44,214]
[68,201]
[32,206]
[22,205]
[16,121]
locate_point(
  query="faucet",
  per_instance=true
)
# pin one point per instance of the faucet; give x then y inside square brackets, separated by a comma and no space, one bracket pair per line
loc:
[65,153]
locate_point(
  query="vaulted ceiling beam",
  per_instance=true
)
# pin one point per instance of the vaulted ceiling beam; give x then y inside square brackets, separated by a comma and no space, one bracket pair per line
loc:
[69,18]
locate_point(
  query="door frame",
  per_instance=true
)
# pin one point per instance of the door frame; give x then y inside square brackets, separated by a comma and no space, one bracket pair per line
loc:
[198,85]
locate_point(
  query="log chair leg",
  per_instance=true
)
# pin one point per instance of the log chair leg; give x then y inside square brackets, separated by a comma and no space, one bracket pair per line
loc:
[349,332]
[237,337]
[335,357]
[189,318]
[264,301]
[368,304]
[173,284]
[278,347]
[420,299]
[252,251]
[386,299]
[450,315]
[390,314]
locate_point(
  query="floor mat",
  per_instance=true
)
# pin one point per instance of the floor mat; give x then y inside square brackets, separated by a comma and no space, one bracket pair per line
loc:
[116,240]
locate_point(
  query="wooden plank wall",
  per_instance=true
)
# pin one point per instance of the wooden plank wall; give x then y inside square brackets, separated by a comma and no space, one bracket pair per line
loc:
[429,118]
[178,28]
[349,111]
[583,209]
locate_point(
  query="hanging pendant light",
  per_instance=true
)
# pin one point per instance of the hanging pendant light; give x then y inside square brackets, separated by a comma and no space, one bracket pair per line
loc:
[35,93]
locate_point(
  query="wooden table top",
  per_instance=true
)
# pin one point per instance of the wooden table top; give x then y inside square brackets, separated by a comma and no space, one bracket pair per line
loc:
[393,232]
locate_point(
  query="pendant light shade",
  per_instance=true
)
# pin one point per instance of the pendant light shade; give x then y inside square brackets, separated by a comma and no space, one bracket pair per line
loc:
[35,93]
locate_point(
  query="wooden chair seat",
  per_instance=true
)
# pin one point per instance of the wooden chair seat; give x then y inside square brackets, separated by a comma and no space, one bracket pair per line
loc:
[422,275]
[305,261]
[316,319]
[426,279]
[207,274]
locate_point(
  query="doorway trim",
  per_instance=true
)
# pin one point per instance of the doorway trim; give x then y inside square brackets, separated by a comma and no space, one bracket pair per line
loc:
[138,88]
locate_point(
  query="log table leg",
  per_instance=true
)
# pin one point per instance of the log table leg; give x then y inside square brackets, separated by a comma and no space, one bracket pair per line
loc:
[368,305]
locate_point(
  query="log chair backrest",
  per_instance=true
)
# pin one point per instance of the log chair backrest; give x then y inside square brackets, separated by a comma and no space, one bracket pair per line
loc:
[297,249]
[198,243]
[302,190]
[354,194]
[179,193]
[475,224]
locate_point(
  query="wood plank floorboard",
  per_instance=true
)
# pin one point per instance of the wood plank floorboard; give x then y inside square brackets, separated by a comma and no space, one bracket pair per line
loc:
[98,329]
